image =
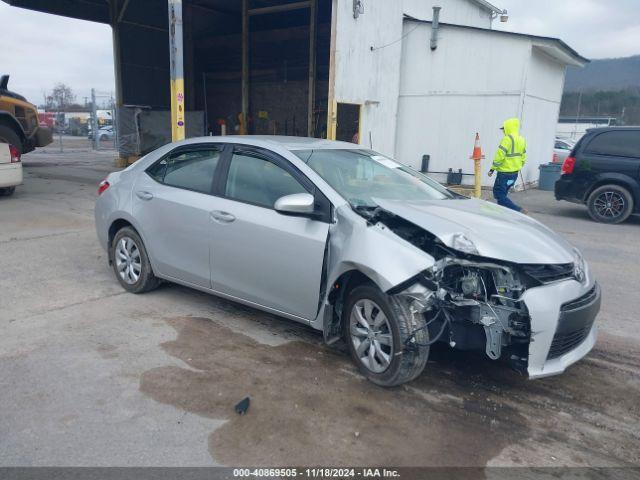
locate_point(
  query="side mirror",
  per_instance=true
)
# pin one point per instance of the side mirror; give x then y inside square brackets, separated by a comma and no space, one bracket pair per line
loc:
[296,204]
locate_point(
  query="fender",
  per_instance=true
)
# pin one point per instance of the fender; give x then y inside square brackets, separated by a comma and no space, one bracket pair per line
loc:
[621,179]
[123,215]
[363,248]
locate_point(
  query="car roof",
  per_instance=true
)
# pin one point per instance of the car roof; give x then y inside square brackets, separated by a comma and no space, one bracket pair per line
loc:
[608,129]
[287,142]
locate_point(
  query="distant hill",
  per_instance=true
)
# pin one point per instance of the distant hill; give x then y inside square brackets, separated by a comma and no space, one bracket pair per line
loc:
[605,74]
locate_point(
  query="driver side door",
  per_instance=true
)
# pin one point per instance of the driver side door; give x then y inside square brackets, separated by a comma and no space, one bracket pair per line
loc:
[258,254]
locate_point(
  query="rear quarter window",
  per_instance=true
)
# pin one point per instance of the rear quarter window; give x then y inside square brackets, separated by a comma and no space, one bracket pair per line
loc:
[615,143]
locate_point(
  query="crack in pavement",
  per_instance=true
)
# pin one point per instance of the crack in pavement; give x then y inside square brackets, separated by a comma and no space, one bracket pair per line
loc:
[64,307]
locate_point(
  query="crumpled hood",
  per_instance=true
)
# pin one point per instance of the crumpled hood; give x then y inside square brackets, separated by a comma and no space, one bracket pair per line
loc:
[511,126]
[497,232]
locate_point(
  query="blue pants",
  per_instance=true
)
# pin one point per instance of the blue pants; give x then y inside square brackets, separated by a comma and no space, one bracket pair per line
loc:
[504,182]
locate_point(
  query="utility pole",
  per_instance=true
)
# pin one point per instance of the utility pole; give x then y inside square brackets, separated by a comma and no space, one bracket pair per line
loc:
[177,70]
[94,120]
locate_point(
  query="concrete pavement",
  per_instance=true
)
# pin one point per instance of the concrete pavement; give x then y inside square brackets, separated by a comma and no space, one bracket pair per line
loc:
[91,375]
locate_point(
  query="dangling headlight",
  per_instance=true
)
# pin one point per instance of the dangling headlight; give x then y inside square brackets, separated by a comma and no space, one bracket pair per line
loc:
[579,266]
[463,244]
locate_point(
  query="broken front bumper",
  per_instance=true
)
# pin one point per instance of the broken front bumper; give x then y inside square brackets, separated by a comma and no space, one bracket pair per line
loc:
[562,324]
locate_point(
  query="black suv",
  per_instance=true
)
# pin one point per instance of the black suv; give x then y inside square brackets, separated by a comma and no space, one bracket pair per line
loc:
[603,172]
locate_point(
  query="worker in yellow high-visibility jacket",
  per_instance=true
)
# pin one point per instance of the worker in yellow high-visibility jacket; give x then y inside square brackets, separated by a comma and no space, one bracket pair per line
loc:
[508,161]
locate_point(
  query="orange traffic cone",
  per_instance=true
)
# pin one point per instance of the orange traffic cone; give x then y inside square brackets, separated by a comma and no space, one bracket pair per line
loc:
[477,157]
[477,149]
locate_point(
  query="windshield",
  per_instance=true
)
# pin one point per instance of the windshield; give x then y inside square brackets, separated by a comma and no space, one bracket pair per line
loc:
[360,176]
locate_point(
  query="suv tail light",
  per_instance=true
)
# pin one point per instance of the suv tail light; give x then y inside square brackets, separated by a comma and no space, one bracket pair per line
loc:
[15,154]
[103,186]
[568,165]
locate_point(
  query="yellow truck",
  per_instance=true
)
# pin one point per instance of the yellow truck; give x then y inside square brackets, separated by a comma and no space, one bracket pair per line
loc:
[19,124]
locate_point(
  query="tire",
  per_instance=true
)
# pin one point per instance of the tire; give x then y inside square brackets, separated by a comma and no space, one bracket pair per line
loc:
[7,191]
[610,204]
[103,138]
[404,364]
[126,247]
[8,135]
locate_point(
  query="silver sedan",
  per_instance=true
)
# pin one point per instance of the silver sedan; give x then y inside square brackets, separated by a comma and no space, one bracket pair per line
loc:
[355,245]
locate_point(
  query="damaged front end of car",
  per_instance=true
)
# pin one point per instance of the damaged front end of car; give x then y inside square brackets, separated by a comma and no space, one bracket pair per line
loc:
[472,305]
[471,302]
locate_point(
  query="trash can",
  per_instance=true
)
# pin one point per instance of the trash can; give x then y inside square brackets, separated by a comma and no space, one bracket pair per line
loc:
[549,174]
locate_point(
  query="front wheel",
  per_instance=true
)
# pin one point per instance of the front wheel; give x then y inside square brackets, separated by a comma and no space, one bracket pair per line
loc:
[131,262]
[610,204]
[376,327]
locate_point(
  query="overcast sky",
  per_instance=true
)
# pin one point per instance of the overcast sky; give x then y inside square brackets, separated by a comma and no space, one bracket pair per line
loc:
[39,50]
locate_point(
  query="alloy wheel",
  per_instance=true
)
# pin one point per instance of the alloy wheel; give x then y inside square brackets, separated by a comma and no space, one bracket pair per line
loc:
[371,335]
[128,262]
[609,204]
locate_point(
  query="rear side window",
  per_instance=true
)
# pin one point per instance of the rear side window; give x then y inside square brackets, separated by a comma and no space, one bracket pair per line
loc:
[191,170]
[615,143]
[255,180]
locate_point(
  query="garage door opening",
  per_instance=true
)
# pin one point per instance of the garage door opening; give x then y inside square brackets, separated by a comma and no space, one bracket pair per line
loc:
[288,56]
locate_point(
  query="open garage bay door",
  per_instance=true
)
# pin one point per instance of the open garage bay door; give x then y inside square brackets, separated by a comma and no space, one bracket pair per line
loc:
[285,59]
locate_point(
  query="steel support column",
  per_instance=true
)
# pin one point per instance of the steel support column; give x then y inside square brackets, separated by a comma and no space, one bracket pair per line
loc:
[177,70]
[313,19]
[245,67]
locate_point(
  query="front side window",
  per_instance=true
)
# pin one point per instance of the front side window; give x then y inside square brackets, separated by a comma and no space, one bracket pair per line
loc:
[191,170]
[255,180]
[361,176]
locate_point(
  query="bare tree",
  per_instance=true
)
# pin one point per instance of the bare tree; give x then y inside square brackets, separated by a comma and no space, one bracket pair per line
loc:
[61,96]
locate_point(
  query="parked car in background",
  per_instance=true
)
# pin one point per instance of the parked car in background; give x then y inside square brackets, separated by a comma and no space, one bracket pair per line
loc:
[353,244]
[603,172]
[104,133]
[561,149]
[10,169]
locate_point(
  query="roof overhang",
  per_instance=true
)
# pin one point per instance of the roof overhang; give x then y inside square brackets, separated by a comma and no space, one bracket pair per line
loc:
[487,6]
[554,49]
[91,10]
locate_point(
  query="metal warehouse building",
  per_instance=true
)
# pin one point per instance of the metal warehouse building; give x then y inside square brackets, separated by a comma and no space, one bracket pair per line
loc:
[408,86]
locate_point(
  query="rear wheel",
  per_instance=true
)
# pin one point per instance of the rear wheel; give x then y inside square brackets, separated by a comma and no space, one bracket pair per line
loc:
[610,204]
[8,191]
[376,327]
[8,135]
[131,262]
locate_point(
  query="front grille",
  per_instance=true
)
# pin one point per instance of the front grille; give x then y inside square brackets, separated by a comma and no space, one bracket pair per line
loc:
[580,302]
[549,273]
[565,342]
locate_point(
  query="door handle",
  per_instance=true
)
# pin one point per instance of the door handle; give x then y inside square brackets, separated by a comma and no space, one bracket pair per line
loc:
[144,195]
[221,217]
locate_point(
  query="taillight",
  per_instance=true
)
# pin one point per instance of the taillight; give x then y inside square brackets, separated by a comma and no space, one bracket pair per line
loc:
[103,186]
[568,165]
[15,154]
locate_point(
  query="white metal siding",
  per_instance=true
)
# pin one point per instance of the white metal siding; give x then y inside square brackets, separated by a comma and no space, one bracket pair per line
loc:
[463,87]
[371,77]
[472,83]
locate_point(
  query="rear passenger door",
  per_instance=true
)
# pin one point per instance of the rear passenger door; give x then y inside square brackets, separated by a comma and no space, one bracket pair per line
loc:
[259,255]
[171,203]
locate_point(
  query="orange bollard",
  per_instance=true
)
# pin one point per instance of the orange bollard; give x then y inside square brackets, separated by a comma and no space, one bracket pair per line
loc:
[477,157]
